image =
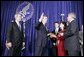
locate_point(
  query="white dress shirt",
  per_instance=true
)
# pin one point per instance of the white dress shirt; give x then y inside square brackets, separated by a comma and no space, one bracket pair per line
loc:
[19,25]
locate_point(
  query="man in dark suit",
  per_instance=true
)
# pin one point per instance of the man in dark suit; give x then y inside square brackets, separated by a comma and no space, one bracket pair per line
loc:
[41,36]
[15,37]
[71,36]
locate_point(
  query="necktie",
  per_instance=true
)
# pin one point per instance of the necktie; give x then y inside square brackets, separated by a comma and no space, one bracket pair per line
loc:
[20,25]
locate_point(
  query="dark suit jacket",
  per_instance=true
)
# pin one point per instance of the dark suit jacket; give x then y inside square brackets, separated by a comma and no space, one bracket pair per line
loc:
[71,36]
[15,35]
[41,39]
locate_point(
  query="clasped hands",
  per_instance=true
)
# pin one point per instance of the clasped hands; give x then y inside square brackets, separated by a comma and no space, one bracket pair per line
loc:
[53,35]
[9,45]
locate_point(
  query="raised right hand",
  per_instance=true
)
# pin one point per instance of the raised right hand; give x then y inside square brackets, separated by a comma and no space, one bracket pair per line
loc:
[41,17]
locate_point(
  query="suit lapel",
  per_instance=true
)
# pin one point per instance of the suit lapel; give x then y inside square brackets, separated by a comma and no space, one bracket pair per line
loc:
[45,28]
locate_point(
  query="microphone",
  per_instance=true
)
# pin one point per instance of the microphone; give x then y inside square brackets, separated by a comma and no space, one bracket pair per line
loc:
[62,16]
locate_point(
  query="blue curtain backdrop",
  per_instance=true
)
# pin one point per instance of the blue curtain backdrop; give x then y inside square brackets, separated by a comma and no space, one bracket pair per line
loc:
[52,9]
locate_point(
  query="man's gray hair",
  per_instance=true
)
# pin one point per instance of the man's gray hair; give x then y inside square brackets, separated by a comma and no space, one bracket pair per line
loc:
[72,14]
[17,14]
